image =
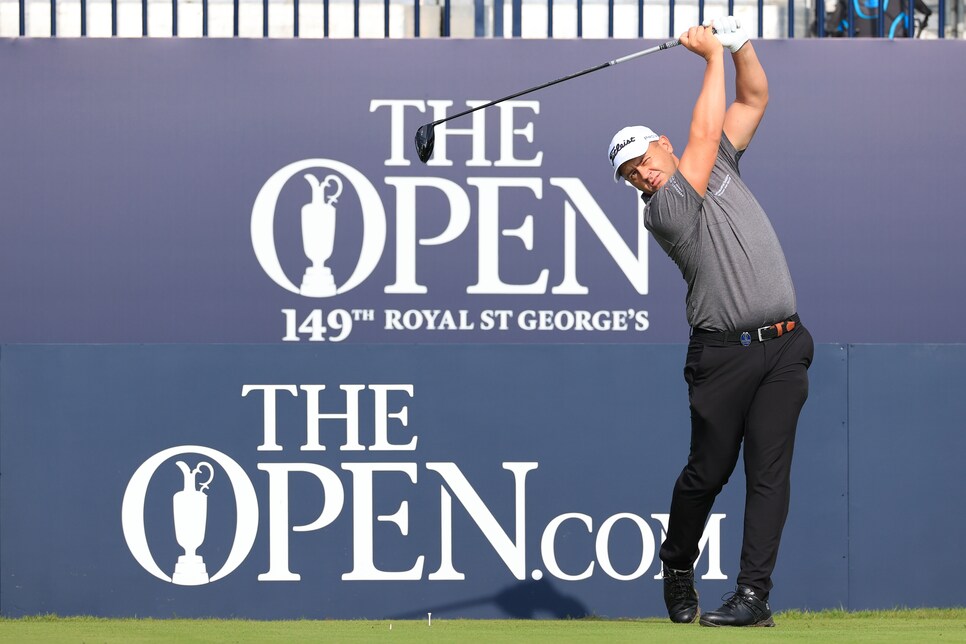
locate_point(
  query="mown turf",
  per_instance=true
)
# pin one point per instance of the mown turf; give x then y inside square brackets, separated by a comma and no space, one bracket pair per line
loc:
[922,625]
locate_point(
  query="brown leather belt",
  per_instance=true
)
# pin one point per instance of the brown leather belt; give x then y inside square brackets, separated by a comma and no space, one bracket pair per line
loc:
[760,334]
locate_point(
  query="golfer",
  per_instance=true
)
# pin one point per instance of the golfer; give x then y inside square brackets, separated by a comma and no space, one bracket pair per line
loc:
[748,356]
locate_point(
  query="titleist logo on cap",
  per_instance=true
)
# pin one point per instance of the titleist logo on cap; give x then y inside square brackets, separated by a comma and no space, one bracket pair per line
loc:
[620,146]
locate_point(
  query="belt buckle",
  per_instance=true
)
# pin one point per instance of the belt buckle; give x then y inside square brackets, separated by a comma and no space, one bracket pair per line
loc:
[760,329]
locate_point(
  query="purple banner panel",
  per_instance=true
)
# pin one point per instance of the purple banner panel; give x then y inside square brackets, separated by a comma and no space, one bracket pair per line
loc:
[269,191]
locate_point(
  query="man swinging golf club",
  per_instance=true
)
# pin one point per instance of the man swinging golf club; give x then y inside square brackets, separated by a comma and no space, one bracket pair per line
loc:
[748,356]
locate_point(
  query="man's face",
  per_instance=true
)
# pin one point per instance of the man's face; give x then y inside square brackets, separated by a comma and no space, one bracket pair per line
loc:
[652,169]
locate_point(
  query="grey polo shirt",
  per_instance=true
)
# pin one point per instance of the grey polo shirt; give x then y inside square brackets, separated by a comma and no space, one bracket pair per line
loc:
[725,247]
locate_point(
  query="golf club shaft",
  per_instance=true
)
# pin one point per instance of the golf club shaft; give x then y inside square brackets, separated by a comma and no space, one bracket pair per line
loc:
[616,61]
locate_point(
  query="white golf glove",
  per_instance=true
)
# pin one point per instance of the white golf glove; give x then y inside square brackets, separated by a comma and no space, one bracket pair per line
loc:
[729,32]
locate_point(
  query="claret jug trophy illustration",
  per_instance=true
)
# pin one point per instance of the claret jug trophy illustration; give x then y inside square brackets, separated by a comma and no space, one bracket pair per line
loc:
[190,519]
[318,236]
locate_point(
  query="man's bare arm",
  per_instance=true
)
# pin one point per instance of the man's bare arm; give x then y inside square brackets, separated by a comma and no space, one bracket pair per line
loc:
[751,98]
[707,120]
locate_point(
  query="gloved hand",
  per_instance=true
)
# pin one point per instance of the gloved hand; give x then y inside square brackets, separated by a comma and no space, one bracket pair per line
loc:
[729,32]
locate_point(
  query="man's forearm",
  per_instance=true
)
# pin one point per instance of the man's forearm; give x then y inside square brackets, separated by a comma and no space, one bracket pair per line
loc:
[707,119]
[751,84]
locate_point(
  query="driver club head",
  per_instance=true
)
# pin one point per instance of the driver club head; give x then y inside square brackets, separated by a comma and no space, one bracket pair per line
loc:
[425,139]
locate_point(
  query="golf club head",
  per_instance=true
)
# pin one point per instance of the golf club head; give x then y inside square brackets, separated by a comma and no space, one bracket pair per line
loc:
[425,139]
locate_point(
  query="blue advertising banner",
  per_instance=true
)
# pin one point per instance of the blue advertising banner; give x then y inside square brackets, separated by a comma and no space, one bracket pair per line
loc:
[906,443]
[269,191]
[360,481]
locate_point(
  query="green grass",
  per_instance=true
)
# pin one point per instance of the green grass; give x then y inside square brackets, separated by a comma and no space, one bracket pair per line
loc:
[921,625]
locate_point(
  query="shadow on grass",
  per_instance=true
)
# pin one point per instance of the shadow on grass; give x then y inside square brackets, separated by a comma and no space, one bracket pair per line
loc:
[524,600]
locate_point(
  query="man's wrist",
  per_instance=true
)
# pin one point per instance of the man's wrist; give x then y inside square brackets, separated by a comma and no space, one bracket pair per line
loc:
[717,54]
[741,47]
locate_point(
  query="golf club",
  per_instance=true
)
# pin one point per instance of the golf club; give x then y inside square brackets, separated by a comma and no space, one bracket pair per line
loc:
[426,137]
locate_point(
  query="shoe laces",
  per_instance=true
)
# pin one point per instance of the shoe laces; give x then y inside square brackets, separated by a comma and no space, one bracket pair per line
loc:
[681,585]
[734,598]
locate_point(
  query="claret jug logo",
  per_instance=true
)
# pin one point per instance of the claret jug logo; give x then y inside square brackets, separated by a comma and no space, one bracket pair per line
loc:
[190,514]
[190,517]
[319,222]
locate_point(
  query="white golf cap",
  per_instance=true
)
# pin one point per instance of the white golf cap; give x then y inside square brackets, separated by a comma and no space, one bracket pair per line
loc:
[628,143]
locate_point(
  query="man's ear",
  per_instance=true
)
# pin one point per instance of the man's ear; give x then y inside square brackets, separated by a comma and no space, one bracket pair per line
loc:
[665,143]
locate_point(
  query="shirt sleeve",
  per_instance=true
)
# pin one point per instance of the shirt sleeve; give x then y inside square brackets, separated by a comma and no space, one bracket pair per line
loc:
[727,152]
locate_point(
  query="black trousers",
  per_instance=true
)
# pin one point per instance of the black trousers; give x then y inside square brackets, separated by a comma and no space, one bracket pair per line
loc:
[752,394]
